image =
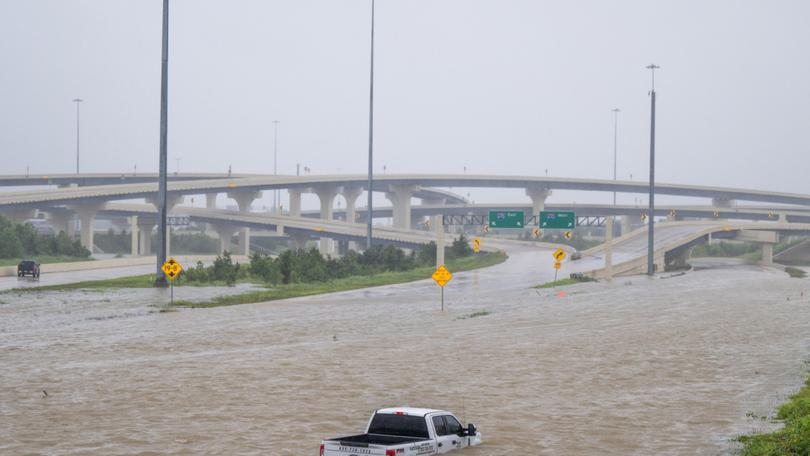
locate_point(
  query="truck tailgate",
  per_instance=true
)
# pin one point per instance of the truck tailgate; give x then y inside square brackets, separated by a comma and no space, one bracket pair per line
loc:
[334,448]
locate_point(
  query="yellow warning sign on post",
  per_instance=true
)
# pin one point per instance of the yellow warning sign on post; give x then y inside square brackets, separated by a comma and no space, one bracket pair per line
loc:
[536,232]
[557,265]
[172,268]
[568,235]
[643,217]
[476,244]
[486,228]
[559,255]
[442,275]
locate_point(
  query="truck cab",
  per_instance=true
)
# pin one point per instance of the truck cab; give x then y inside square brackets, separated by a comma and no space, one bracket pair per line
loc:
[405,431]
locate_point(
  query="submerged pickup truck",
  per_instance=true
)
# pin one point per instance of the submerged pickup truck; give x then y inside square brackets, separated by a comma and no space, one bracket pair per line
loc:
[405,431]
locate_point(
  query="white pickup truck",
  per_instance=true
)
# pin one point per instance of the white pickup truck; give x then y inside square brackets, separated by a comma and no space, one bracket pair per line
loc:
[405,431]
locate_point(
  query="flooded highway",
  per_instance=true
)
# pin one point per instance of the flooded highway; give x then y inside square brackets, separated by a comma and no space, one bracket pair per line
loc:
[635,366]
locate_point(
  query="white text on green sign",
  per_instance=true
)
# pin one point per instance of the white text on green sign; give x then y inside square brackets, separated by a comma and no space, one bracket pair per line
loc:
[506,219]
[558,220]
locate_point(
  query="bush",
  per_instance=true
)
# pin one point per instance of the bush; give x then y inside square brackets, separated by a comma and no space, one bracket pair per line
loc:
[17,240]
[460,248]
[224,269]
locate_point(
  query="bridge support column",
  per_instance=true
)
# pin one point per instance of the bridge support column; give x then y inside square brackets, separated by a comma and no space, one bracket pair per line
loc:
[295,201]
[87,218]
[350,194]
[64,222]
[767,254]
[133,235]
[626,225]
[327,197]
[225,233]
[145,227]
[299,240]
[244,200]
[400,197]
[211,200]
[538,196]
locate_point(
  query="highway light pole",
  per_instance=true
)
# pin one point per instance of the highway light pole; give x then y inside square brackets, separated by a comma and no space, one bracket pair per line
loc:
[370,211]
[616,112]
[651,231]
[160,278]
[275,163]
[77,101]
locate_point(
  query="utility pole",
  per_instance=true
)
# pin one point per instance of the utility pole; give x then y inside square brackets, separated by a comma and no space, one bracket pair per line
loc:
[651,231]
[275,163]
[77,101]
[616,112]
[370,211]
[160,278]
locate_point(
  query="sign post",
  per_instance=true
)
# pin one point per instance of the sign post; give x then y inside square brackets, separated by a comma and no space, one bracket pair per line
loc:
[442,275]
[172,269]
[558,255]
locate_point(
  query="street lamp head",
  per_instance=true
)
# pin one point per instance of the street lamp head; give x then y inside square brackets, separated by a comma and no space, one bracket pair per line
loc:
[77,100]
[616,110]
[652,66]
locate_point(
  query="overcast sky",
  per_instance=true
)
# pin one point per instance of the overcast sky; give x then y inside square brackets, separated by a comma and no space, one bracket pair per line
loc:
[499,86]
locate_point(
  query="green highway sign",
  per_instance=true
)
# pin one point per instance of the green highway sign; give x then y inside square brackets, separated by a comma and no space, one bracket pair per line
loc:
[506,219]
[558,220]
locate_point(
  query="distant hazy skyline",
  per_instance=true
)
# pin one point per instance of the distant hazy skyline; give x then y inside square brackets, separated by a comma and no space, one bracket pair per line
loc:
[501,87]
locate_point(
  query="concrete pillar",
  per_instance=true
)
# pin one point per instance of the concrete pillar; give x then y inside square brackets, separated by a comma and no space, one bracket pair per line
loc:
[145,227]
[327,197]
[538,196]
[225,232]
[767,254]
[211,200]
[782,217]
[133,231]
[299,240]
[724,203]
[295,201]
[439,230]
[350,194]
[87,217]
[626,225]
[171,202]
[244,200]
[64,222]
[400,197]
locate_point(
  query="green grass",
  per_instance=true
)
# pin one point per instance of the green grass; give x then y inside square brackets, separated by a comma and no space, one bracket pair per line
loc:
[793,438]
[280,291]
[295,290]
[564,282]
[44,259]
[480,313]
[795,272]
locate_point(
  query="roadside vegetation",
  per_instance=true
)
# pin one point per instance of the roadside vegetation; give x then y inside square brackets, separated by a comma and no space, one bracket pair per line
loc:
[793,439]
[306,272]
[566,281]
[18,241]
[182,242]
[796,273]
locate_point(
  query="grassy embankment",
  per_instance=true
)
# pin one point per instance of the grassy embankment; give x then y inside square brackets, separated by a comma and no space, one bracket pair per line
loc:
[294,290]
[44,259]
[286,290]
[564,282]
[793,438]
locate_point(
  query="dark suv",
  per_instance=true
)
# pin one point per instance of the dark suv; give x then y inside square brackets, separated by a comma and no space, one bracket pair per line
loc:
[28,267]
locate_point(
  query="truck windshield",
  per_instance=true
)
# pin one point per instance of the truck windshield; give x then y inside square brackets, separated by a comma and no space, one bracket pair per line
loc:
[401,425]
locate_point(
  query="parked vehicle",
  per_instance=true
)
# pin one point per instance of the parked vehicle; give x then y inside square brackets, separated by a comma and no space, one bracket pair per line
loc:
[28,267]
[405,431]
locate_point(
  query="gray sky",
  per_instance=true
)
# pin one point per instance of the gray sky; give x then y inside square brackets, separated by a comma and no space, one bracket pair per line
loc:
[504,87]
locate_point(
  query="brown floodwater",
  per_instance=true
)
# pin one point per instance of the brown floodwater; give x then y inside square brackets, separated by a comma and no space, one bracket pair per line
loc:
[636,366]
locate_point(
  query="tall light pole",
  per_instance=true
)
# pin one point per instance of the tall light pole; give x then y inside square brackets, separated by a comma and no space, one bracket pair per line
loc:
[160,279]
[77,101]
[370,211]
[616,112]
[650,233]
[275,163]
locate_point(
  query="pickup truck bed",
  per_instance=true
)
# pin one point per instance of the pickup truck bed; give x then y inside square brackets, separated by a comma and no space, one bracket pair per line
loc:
[364,440]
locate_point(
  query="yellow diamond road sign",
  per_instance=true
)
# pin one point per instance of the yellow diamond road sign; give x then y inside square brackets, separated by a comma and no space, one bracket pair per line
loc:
[536,232]
[442,275]
[172,268]
[568,235]
[476,244]
[559,254]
